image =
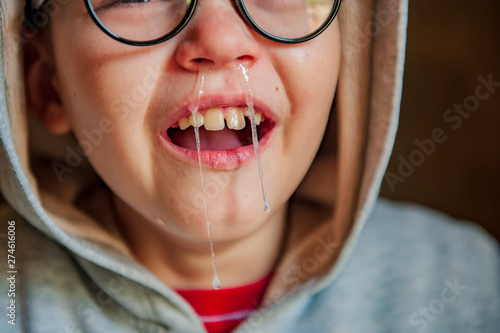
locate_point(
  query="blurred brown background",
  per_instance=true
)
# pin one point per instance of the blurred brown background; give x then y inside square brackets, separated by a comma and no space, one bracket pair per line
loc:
[450,45]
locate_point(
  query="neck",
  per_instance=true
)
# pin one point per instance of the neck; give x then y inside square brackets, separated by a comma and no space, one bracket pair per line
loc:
[184,263]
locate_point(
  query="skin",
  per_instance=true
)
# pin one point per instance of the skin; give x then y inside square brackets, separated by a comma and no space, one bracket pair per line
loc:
[83,77]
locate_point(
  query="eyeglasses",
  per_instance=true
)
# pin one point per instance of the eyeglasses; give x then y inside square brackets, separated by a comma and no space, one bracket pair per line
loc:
[150,22]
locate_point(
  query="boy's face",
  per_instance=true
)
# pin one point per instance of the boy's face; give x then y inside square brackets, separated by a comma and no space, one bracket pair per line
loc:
[120,100]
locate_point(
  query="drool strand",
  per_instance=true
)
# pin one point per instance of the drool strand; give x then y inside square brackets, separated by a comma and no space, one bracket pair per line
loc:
[216,284]
[255,138]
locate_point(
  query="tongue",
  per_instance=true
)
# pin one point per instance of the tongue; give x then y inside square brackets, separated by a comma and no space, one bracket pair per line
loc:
[209,140]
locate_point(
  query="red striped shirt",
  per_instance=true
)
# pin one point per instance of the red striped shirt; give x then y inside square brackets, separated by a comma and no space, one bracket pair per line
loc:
[223,310]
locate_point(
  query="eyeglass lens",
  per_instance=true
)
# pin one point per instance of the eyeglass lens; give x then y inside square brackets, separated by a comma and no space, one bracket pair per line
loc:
[146,20]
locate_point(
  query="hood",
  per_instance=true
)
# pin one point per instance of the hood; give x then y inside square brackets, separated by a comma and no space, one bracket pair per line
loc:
[328,209]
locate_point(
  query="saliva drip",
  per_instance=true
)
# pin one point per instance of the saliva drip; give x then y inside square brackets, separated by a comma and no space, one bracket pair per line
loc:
[255,138]
[216,282]
[194,110]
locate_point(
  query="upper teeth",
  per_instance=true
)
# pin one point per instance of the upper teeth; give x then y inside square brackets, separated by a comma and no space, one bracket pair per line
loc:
[213,119]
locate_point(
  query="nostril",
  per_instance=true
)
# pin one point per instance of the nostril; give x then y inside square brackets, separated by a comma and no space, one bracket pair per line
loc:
[245,58]
[241,58]
[201,61]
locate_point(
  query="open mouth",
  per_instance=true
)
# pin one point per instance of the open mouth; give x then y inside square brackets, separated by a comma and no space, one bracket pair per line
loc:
[223,128]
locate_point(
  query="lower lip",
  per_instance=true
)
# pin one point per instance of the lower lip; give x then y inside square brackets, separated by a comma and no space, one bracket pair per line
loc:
[216,159]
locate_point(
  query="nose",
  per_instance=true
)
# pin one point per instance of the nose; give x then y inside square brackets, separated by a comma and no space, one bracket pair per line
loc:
[216,36]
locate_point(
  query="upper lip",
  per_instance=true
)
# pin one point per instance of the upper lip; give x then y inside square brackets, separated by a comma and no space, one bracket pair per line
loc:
[218,101]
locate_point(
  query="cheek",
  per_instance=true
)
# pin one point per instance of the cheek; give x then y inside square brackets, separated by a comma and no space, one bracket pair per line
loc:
[100,78]
[103,105]
[115,88]
[310,74]
[105,91]
[91,90]
[105,99]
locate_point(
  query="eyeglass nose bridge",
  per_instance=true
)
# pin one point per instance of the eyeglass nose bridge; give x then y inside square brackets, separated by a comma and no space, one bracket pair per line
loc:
[242,11]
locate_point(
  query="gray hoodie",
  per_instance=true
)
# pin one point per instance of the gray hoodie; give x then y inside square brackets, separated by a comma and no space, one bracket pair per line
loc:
[352,263]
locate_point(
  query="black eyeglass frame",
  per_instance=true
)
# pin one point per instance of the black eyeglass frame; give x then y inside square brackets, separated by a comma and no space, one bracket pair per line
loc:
[243,13]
